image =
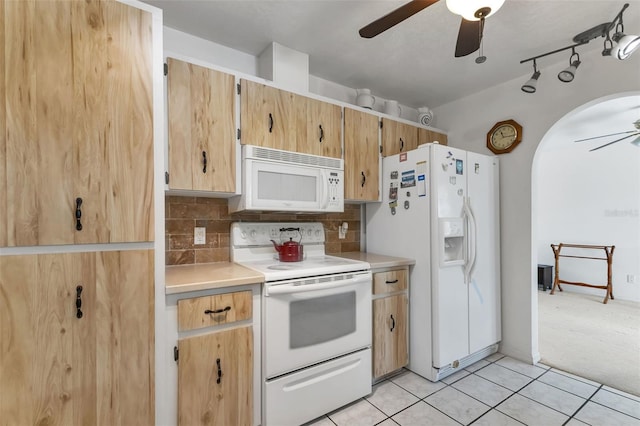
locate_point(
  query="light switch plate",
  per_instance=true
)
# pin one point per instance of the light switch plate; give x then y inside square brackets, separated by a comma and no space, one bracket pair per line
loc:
[199,235]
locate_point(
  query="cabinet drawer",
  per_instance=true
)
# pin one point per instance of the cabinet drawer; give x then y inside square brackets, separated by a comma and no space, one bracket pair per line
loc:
[207,311]
[390,281]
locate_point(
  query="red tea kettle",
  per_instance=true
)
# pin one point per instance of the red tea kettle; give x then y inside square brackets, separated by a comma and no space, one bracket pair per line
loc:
[289,251]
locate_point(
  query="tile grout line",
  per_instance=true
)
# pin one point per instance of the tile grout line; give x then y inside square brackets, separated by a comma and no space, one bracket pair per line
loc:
[583,404]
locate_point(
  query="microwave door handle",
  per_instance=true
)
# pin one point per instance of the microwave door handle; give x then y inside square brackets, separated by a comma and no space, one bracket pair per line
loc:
[325,189]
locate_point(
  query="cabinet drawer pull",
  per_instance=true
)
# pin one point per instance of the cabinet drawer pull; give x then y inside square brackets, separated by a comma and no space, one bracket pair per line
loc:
[78,214]
[217,311]
[393,323]
[401,144]
[204,161]
[391,282]
[78,302]
[270,123]
[321,133]
[219,371]
[363,180]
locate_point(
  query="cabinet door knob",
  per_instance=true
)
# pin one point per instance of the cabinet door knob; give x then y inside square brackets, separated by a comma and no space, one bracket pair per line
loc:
[393,323]
[78,302]
[270,123]
[219,371]
[204,161]
[78,214]
[363,180]
[321,133]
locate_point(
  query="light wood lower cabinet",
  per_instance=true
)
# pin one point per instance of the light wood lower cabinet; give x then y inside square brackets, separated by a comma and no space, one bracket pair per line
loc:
[215,370]
[76,338]
[390,322]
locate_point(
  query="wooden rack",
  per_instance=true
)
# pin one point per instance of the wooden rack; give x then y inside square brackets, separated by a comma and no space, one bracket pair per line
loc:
[608,250]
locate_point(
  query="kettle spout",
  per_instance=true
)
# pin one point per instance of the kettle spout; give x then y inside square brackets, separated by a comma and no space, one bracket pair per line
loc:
[277,247]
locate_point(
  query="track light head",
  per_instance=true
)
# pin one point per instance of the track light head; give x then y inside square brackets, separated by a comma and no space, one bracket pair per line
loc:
[567,75]
[627,44]
[530,86]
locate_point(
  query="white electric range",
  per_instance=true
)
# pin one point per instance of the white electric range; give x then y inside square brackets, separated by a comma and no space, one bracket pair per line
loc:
[316,322]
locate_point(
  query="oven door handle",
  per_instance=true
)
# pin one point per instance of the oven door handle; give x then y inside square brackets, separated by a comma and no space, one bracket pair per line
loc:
[292,288]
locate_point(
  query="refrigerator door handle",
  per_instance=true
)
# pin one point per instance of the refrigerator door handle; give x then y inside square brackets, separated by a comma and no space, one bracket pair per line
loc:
[471,240]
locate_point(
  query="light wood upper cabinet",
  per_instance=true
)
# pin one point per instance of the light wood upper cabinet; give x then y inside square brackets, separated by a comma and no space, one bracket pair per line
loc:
[323,126]
[390,343]
[79,123]
[215,378]
[361,156]
[398,137]
[269,117]
[201,113]
[275,118]
[65,362]
[428,136]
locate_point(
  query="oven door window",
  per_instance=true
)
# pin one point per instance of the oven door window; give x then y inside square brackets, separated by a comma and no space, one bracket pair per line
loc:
[321,319]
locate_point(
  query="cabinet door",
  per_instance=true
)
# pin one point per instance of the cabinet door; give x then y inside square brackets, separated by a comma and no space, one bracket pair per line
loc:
[201,112]
[79,123]
[361,156]
[428,136]
[46,377]
[268,116]
[398,137]
[124,326]
[323,130]
[215,378]
[390,343]
[62,367]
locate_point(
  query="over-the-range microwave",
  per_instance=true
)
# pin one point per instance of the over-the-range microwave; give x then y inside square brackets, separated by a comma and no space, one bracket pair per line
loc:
[276,180]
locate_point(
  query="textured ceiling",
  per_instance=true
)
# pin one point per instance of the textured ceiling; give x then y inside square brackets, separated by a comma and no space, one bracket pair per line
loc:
[412,62]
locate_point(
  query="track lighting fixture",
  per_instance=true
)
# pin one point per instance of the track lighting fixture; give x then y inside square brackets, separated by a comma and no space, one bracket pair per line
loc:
[620,46]
[530,86]
[626,44]
[567,74]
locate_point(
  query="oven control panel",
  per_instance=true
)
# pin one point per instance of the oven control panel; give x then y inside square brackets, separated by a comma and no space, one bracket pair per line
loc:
[252,234]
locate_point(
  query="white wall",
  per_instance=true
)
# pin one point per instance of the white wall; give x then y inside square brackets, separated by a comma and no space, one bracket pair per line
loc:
[467,122]
[592,198]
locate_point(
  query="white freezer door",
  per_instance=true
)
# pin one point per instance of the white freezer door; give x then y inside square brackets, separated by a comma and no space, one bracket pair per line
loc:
[484,286]
[450,320]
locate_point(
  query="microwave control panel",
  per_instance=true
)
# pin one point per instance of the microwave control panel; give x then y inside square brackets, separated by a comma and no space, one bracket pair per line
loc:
[336,190]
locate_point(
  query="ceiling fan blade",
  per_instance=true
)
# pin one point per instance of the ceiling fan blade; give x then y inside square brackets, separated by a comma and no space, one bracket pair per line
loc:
[617,140]
[636,141]
[395,17]
[469,37]
[604,136]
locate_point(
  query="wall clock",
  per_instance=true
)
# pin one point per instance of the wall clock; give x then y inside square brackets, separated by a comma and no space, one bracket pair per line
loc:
[504,136]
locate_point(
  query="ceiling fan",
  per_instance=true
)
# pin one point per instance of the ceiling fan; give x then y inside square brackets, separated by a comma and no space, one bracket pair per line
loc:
[629,134]
[473,14]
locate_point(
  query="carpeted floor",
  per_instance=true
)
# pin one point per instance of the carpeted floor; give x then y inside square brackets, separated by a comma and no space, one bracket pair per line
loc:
[581,335]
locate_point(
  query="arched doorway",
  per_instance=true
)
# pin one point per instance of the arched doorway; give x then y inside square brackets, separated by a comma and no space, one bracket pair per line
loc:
[591,198]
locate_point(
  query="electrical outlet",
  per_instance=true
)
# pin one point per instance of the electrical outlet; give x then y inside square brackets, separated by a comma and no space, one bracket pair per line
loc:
[631,279]
[199,235]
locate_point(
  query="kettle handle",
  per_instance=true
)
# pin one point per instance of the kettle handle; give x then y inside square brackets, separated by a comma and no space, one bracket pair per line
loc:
[292,229]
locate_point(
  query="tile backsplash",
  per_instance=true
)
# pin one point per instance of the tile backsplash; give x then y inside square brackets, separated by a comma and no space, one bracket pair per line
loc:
[183,214]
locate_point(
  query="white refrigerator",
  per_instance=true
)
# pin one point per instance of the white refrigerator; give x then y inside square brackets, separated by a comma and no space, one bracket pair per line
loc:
[440,206]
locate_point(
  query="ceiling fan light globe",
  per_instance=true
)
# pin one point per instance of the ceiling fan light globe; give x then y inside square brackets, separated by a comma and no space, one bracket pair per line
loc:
[468,8]
[626,46]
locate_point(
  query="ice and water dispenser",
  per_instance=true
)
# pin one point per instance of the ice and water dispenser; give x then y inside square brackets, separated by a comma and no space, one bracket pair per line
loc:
[452,241]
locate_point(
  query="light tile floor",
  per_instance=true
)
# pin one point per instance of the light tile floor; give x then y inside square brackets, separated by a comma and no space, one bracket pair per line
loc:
[495,391]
